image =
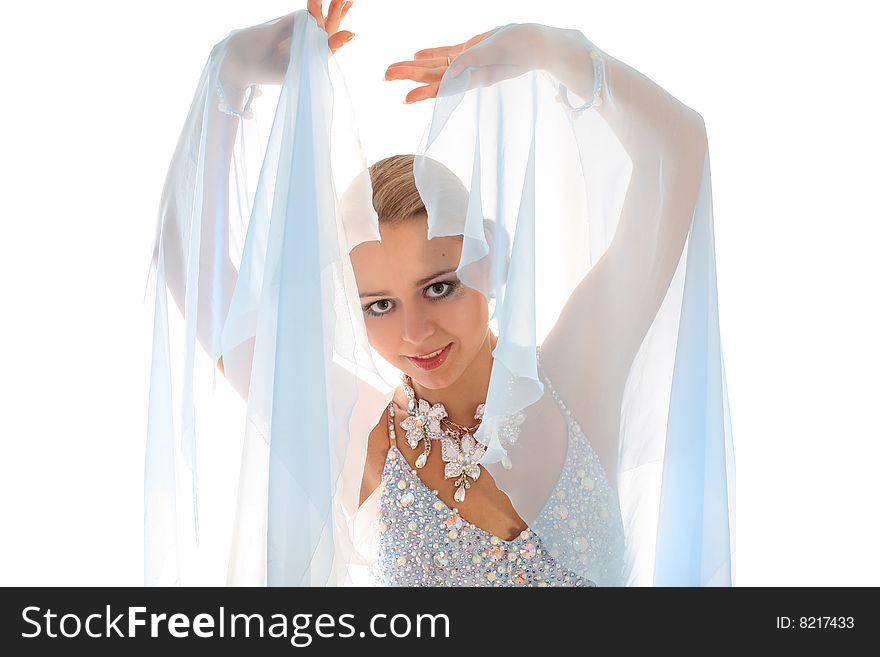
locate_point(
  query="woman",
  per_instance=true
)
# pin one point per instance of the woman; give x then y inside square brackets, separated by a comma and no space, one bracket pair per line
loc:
[569,234]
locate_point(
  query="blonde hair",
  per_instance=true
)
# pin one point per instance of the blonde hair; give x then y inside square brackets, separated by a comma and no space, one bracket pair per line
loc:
[395,196]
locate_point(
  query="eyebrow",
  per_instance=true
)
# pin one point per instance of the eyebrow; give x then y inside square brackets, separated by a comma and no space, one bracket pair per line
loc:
[419,283]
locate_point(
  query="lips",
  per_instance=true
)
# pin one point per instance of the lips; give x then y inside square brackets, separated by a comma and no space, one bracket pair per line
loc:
[431,359]
[430,354]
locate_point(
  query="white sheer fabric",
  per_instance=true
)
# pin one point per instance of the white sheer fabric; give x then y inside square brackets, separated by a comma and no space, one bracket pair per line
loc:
[590,230]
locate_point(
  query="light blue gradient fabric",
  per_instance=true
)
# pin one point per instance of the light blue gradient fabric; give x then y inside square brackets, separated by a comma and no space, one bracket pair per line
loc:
[589,231]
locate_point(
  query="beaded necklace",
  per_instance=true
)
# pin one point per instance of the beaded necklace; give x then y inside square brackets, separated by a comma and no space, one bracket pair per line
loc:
[459,449]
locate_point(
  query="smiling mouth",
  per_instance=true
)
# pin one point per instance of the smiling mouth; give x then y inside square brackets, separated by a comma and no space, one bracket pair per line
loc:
[432,360]
[431,354]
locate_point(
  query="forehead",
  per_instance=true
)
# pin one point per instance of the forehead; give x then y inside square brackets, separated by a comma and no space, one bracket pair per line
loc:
[404,255]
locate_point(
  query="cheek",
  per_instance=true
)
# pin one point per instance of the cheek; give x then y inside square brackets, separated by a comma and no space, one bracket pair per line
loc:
[469,317]
[383,335]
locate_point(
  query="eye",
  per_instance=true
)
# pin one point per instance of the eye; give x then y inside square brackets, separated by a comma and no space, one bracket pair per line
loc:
[375,309]
[445,289]
[435,292]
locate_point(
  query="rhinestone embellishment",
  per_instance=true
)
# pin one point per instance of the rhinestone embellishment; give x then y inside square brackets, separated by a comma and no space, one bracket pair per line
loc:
[460,451]
[598,84]
[577,540]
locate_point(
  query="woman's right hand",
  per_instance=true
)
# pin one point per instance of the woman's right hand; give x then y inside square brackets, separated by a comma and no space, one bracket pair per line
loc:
[261,54]
[337,10]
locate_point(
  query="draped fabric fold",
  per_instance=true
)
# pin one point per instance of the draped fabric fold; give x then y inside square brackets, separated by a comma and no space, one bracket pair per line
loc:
[582,192]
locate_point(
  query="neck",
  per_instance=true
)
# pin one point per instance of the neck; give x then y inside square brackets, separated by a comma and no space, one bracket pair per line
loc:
[468,391]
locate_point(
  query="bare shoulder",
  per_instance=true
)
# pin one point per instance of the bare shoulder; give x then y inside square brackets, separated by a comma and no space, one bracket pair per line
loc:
[377,452]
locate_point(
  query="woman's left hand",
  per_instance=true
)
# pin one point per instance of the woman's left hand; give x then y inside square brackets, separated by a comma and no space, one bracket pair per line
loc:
[517,49]
[429,66]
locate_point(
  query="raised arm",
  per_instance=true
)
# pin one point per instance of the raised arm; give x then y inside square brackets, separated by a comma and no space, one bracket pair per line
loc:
[254,55]
[589,351]
[609,313]
[218,155]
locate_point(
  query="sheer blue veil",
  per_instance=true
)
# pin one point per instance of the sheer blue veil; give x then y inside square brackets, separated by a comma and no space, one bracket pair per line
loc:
[582,192]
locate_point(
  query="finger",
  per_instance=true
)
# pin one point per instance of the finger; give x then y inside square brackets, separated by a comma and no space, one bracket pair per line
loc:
[336,41]
[316,10]
[441,52]
[338,9]
[415,73]
[331,23]
[475,40]
[345,9]
[422,93]
[420,63]
[452,51]
[417,63]
[334,8]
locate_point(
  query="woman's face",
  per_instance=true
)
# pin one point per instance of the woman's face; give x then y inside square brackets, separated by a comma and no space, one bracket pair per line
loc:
[414,304]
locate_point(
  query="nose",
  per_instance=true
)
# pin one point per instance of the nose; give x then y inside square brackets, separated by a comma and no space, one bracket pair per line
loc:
[418,327]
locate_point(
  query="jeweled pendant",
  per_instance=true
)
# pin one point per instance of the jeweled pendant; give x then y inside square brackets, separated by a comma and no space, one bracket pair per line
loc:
[423,458]
[459,494]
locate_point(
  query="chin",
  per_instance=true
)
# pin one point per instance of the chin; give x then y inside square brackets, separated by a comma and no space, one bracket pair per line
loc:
[436,382]
[437,379]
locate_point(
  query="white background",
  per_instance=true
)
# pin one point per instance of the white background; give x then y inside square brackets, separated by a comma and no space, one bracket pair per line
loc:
[93,98]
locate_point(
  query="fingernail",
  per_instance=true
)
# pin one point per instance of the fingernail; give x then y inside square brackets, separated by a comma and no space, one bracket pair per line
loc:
[350,37]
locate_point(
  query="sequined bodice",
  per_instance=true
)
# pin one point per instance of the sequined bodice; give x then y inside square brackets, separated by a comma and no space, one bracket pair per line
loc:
[577,540]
